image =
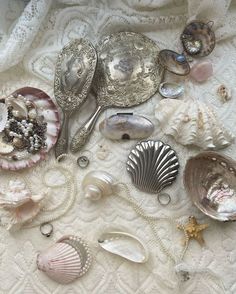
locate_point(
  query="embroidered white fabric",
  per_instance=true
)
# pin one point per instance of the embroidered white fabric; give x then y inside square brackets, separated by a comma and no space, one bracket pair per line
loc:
[31,34]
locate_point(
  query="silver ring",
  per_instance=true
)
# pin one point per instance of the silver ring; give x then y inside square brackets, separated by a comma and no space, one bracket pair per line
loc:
[163,198]
[46,229]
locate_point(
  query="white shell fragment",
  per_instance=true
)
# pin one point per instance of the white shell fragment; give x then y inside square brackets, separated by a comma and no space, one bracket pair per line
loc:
[192,123]
[97,184]
[18,105]
[152,166]
[4,147]
[171,90]
[124,245]
[126,126]
[65,261]
[209,179]
[3,116]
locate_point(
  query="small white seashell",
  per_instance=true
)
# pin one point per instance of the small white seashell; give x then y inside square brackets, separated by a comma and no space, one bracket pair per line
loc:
[192,123]
[4,147]
[124,245]
[97,184]
[66,260]
[126,126]
[3,116]
[171,90]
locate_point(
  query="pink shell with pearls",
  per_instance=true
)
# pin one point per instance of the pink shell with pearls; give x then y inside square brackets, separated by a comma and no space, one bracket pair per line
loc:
[65,261]
[46,108]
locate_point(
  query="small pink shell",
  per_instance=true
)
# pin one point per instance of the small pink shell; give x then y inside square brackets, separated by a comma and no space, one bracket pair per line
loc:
[47,108]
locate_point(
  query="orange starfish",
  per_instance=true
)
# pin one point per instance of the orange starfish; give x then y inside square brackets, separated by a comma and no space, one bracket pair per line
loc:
[194,230]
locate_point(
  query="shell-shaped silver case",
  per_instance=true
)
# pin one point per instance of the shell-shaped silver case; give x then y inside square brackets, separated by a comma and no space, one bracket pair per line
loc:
[152,165]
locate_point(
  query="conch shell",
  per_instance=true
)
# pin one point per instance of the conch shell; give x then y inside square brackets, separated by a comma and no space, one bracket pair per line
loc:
[192,123]
[20,204]
[97,184]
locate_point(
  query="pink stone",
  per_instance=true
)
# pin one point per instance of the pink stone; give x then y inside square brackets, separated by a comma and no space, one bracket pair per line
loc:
[201,71]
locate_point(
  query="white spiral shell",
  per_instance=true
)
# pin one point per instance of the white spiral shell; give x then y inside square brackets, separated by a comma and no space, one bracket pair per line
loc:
[152,165]
[66,260]
[97,184]
[192,123]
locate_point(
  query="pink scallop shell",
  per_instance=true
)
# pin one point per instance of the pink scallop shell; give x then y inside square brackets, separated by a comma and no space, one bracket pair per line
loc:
[47,108]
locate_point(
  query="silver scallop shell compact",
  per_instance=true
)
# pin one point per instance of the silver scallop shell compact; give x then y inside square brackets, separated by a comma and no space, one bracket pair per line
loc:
[66,260]
[210,181]
[152,166]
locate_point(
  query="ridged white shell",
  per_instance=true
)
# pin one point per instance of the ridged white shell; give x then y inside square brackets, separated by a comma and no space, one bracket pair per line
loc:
[66,260]
[124,245]
[152,165]
[192,123]
[3,116]
[97,184]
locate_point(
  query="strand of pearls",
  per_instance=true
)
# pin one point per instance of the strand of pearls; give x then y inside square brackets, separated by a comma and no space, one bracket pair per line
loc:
[151,220]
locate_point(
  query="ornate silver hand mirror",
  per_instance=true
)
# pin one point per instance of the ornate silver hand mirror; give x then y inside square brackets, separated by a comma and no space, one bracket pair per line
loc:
[127,74]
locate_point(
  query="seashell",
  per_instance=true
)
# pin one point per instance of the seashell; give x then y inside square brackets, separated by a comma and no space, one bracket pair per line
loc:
[198,39]
[4,147]
[21,204]
[18,105]
[124,245]
[17,195]
[97,184]
[152,165]
[46,109]
[209,179]
[174,62]
[171,90]
[126,126]
[3,116]
[18,143]
[224,93]
[201,71]
[65,261]
[192,123]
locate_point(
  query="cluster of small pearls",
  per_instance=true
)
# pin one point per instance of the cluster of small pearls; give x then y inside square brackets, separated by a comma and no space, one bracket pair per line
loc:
[23,129]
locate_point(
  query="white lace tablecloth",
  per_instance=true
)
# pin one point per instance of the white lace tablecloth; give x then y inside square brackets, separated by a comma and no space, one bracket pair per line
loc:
[31,34]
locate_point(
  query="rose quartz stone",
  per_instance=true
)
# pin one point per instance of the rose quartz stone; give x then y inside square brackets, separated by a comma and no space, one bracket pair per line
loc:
[201,71]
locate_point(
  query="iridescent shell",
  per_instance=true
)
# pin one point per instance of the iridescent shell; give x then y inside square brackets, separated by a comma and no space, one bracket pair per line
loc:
[198,39]
[152,166]
[174,62]
[125,245]
[46,110]
[65,261]
[210,181]
[171,90]
[126,126]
